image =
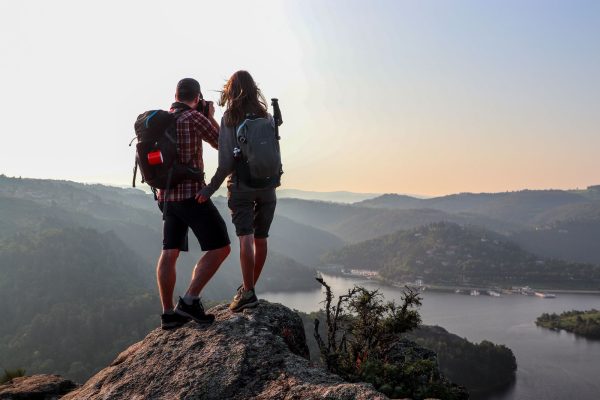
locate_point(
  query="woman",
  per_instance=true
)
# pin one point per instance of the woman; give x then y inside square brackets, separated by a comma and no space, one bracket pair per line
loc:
[252,208]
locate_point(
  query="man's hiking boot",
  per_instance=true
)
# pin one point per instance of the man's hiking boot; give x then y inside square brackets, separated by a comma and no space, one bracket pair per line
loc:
[195,311]
[172,321]
[244,299]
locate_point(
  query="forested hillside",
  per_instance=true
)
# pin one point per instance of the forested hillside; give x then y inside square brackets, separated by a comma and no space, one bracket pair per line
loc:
[132,216]
[71,300]
[447,253]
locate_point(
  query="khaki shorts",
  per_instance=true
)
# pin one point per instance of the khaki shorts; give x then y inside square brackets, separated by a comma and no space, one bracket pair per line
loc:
[252,212]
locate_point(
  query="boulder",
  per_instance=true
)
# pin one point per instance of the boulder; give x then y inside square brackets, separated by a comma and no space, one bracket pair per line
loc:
[36,387]
[260,353]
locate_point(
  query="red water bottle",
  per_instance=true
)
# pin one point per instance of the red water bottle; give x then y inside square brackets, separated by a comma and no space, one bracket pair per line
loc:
[155,158]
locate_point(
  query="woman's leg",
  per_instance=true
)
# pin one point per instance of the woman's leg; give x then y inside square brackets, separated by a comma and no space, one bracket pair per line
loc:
[247,260]
[260,255]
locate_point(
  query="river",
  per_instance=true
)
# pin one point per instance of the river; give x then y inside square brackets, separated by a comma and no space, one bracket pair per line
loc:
[551,365]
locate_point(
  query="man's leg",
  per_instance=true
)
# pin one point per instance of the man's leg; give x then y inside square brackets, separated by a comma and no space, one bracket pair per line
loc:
[206,267]
[260,255]
[166,276]
[247,260]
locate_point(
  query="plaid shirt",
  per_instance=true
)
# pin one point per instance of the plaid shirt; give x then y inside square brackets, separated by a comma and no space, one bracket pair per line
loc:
[192,128]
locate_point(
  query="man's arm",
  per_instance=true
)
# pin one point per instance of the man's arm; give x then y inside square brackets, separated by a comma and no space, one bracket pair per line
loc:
[207,128]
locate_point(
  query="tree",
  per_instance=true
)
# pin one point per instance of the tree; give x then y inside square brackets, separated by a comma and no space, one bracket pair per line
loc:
[363,343]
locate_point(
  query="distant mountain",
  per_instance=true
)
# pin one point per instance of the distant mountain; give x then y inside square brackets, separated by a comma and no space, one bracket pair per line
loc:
[591,192]
[303,230]
[132,215]
[354,223]
[391,200]
[450,254]
[588,211]
[338,197]
[573,240]
[515,207]
[334,197]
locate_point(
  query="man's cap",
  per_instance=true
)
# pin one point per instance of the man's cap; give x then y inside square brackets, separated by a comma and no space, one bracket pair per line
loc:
[189,85]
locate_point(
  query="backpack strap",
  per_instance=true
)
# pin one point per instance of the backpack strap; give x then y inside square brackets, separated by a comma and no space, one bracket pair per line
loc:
[236,159]
[135,167]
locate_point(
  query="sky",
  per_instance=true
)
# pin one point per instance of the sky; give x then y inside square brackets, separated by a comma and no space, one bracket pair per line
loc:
[423,97]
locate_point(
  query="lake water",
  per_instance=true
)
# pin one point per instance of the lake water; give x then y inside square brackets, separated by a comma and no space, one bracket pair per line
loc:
[551,365]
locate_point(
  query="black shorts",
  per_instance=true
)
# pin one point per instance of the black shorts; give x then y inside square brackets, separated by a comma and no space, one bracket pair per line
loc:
[204,219]
[252,212]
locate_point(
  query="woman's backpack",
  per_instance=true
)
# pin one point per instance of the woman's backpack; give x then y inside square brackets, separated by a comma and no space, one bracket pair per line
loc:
[258,162]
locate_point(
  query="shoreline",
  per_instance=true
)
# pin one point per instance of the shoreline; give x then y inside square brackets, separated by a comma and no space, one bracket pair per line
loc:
[443,288]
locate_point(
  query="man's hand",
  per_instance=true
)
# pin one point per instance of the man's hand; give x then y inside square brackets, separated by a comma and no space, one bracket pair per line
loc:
[200,198]
[211,109]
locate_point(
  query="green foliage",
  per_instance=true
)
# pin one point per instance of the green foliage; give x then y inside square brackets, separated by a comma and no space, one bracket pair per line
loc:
[584,323]
[11,374]
[73,299]
[363,333]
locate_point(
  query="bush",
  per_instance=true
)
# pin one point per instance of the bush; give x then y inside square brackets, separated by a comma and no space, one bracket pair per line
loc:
[363,344]
[9,375]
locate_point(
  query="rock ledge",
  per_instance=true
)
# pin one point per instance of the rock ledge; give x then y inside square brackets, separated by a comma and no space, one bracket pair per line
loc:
[36,387]
[257,354]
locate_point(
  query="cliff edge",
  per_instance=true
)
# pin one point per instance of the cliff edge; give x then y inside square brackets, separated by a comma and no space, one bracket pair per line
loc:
[257,354]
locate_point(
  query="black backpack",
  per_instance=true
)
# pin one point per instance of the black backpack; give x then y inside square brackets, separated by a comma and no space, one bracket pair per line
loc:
[156,151]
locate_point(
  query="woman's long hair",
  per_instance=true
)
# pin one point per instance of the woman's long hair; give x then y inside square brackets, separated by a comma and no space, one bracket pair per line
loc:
[241,96]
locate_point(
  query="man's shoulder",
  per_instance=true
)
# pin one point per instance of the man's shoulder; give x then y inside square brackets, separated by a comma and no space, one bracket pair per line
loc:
[195,117]
[185,113]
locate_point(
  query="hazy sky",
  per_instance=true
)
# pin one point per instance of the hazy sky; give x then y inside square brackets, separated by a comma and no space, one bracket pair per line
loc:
[428,97]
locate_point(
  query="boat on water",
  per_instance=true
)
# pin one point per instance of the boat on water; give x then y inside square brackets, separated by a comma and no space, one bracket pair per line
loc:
[475,292]
[545,295]
[493,293]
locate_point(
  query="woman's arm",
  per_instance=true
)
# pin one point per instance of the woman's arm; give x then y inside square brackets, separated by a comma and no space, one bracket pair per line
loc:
[226,163]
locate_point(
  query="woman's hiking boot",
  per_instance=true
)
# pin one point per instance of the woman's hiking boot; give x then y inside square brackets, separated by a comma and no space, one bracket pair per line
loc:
[243,299]
[195,311]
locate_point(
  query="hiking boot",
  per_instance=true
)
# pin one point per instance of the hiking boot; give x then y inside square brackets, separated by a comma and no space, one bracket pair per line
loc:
[195,311]
[238,292]
[246,299]
[172,321]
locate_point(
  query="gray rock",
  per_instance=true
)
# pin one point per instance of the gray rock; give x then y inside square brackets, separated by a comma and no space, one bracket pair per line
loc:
[36,387]
[257,354]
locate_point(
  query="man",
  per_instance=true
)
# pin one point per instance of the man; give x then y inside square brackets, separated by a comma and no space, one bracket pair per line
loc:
[183,211]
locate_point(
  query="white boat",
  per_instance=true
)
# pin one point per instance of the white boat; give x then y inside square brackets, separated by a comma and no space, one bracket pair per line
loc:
[475,292]
[493,293]
[545,295]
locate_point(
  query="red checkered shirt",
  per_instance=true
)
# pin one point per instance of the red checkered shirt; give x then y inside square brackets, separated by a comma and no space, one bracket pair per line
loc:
[192,128]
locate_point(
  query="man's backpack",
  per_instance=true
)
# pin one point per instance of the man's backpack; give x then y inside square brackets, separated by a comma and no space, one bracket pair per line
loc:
[258,162]
[156,151]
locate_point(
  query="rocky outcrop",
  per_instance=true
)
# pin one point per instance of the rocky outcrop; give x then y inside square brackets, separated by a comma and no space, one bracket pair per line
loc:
[36,387]
[257,354]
